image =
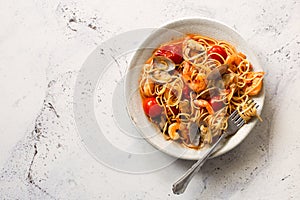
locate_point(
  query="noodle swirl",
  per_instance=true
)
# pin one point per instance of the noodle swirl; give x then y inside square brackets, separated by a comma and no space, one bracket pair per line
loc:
[198,82]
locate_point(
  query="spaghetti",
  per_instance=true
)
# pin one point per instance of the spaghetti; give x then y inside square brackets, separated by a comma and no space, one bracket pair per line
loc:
[190,86]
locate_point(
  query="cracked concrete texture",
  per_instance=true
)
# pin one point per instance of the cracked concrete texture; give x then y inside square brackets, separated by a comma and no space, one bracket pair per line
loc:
[51,40]
[43,144]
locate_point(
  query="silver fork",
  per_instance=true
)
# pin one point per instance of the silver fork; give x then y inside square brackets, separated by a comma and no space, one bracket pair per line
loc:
[235,122]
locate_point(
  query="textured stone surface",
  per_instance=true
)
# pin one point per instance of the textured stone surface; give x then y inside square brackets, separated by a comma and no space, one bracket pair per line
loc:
[43,44]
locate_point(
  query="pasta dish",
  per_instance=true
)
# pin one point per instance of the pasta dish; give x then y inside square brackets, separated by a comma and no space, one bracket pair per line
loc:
[190,86]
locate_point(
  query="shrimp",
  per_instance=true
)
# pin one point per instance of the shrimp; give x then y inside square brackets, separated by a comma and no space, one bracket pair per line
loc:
[195,80]
[199,83]
[173,131]
[256,83]
[234,60]
[204,104]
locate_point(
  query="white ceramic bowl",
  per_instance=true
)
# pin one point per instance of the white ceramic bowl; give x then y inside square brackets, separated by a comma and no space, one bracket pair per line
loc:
[173,30]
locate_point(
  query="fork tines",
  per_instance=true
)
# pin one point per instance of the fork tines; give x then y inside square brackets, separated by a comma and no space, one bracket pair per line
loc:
[252,103]
[233,115]
[236,118]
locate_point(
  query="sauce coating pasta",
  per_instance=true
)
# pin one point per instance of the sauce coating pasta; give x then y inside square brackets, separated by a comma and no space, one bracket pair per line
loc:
[190,86]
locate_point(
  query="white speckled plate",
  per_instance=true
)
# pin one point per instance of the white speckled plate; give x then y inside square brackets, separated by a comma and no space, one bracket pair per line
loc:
[173,30]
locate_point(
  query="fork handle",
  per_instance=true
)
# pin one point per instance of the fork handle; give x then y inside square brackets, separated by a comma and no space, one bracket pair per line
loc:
[181,184]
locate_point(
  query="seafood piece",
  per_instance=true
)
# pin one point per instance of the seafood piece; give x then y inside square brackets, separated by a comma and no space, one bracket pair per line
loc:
[163,63]
[184,106]
[256,83]
[194,79]
[194,52]
[159,69]
[217,72]
[161,76]
[194,134]
[235,59]
[229,79]
[205,133]
[204,104]
[198,83]
[173,130]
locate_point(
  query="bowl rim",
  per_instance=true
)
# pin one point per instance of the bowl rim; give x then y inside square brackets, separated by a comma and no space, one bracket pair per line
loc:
[252,124]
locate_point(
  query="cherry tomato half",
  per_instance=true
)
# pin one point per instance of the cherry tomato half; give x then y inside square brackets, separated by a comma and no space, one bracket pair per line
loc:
[151,108]
[216,104]
[219,50]
[172,51]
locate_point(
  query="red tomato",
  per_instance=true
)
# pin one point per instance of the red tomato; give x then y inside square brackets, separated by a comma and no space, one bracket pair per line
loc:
[216,104]
[151,107]
[219,50]
[172,51]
